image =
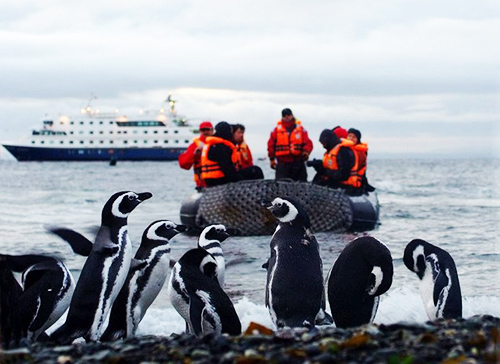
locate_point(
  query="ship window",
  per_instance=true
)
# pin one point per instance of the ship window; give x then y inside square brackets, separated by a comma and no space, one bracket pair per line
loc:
[125,142]
[101,122]
[186,141]
[135,141]
[110,123]
[145,131]
[101,141]
[155,132]
[101,132]
[110,142]
[81,141]
[72,122]
[70,142]
[156,141]
[91,122]
[61,142]
[91,142]
[51,142]
[176,142]
[176,131]
[32,142]
[91,132]
[125,132]
[42,142]
[81,122]
[145,142]
[111,132]
[71,132]
[165,132]
[81,132]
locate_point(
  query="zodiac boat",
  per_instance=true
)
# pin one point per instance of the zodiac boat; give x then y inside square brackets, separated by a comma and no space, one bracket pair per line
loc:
[237,205]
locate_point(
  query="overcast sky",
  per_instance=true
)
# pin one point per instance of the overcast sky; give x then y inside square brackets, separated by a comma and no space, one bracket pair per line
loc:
[416,77]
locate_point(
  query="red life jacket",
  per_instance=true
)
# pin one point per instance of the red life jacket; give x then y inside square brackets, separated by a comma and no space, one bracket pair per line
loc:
[244,158]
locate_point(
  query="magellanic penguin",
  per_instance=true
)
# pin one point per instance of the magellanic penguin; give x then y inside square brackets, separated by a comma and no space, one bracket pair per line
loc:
[439,284]
[195,293]
[362,272]
[11,327]
[103,273]
[294,289]
[144,280]
[210,239]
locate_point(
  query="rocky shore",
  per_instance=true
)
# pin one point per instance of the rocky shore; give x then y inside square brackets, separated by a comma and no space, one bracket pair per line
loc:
[473,340]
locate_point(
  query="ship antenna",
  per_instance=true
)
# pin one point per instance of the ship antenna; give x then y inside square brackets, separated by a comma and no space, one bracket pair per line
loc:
[88,109]
[171,103]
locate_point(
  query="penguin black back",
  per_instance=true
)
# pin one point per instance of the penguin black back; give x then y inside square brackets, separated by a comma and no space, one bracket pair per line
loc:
[362,272]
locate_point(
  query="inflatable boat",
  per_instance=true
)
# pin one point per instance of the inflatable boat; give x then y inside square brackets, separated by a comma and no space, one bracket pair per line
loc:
[237,205]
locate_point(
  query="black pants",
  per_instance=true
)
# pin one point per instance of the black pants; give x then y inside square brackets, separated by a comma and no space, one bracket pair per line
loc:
[296,171]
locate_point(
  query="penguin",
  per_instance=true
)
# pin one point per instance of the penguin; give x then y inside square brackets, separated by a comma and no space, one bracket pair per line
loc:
[439,284]
[103,273]
[47,287]
[210,239]
[294,288]
[362,272]
[144,281]
[196,294]
[11,330]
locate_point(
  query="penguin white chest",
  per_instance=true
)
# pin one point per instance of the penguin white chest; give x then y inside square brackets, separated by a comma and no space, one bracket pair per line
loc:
[427,293]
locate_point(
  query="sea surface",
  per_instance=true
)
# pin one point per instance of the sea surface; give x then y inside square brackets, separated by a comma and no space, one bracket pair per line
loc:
[454,204]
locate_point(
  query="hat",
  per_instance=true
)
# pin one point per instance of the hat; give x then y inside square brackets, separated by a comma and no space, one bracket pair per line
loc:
[355,132]
[223,130]
[206,125]
[286,112]
[340,132]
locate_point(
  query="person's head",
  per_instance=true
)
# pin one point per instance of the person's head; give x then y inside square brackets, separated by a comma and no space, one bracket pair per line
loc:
[287,115]
[206,128]
[223,130]
[238,133]
[328,139]
[340,132]
[354,135]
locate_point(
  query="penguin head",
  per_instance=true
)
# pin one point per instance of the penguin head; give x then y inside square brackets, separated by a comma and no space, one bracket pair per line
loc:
[201,260]
[289,211]
[414,256]
[214,232]
[163,230]
[121,204]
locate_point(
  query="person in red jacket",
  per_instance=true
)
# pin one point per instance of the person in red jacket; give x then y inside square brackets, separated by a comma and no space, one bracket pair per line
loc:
[192,156]
[289,147]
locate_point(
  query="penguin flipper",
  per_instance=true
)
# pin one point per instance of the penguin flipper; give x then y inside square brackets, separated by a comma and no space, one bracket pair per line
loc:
[196,308]
[79,243]
[439,286]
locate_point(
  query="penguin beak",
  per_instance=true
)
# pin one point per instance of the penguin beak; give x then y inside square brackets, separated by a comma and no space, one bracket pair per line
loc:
[233,232]
[266,203]
[144,196]
[181,228]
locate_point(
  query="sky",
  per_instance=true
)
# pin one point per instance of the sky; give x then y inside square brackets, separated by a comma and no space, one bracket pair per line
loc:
[418,78]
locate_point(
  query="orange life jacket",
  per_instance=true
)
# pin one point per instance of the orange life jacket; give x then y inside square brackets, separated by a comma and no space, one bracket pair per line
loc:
[211,169]
[197,165]
[289,143]
[356,174]
[243,156]
[361,149]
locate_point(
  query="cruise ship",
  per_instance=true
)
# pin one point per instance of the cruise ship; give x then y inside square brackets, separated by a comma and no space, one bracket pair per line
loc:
[159,135]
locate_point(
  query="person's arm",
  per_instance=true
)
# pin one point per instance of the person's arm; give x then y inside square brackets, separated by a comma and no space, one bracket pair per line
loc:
[308,144]
[186,159]
[271,148]
[222,154]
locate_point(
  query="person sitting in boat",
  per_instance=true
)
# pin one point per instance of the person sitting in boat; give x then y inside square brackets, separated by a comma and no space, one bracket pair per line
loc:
[192,156]
[244,160]
[361,149]
[289,147]
[339,166]
[218,157]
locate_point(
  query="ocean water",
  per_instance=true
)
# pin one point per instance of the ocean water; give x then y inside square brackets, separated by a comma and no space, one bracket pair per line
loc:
[450,203]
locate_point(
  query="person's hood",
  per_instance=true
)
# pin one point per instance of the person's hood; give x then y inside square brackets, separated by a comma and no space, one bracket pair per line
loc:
[328,139]
[223,130]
